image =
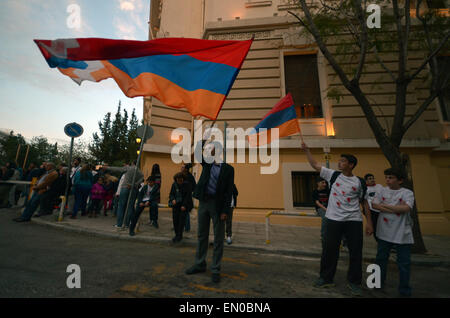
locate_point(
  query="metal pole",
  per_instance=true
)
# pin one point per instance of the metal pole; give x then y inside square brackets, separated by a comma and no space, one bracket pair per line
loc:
[26,157]
[225,142]
[69,165]
[134,174]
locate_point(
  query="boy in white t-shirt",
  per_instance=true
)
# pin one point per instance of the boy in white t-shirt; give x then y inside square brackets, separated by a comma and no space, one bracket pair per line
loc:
[394,228]
[343,218]
[372,190]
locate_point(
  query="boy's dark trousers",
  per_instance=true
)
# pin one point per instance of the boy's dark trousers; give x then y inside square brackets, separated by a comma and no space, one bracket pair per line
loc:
[353,231]
[179,219]
[403,263]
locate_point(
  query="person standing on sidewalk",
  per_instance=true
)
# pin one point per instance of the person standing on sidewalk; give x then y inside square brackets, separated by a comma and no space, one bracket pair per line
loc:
[343,218]
[214,191]
[395,228]
[188,177]
[180,199]
[372,191]
[320,197]
[126,188]
[229,221]
[97,196]
[82,184]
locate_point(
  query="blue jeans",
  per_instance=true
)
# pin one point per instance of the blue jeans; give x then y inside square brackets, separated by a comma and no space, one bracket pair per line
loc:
[123,198]
[403,263]
[81,196]
[31,206]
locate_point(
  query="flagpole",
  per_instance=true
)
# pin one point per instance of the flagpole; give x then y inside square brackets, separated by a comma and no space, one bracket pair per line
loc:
[125,223]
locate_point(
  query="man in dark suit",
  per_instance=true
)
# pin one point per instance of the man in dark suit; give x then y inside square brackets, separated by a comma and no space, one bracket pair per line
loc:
[214,191]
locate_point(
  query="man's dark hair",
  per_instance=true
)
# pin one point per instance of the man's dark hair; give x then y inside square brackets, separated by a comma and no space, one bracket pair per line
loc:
[151,178]
[178,175]
[320,179]
[78,159]
[394,172]
[351,159]
[368,175]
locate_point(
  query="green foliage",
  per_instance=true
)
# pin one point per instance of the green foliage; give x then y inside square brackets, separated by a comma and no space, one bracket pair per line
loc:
[9,146]
[39,150]
[115,143]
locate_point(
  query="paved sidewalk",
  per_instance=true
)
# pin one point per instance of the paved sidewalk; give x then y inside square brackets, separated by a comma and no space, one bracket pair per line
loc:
[284,238]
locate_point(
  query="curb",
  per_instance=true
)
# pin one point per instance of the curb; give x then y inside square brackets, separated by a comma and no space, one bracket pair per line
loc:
[290,252]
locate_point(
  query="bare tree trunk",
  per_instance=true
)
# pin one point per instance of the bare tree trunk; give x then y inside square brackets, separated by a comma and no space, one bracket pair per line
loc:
[419,244]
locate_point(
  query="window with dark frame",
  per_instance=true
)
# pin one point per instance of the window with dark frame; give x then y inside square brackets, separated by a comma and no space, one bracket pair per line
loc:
[303,185]
[444,98]
[302,81]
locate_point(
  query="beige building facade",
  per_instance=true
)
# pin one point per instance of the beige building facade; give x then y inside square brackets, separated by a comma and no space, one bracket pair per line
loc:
[281,60]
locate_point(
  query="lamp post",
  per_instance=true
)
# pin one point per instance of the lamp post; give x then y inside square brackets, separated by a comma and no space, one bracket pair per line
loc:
[326,150]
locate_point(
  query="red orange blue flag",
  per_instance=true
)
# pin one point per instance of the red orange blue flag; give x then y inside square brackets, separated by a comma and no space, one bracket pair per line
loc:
[281,116]
[182,73]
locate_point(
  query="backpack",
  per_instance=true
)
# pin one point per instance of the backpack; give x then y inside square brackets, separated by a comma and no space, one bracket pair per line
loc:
[336,174]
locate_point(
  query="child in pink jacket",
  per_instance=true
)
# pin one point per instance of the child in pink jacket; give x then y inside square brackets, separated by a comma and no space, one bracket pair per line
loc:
[97,196]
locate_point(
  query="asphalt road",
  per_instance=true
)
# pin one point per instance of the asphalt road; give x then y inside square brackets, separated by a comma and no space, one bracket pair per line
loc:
[34,260]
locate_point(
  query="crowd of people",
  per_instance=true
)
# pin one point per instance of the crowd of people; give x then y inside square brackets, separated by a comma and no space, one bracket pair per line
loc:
[93,191]
[48,192]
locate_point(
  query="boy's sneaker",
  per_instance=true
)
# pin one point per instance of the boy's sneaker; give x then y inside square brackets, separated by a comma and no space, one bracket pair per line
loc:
[355,290]
[321,283]
[229,241]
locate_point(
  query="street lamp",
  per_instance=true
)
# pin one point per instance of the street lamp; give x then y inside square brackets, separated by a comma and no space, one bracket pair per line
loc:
[326,150]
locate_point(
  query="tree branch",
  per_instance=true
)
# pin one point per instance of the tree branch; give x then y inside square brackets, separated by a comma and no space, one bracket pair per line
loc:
[430,57]
[375,51]
[400,41]
[420,111]
[362,39]
[433,94]
[351,86]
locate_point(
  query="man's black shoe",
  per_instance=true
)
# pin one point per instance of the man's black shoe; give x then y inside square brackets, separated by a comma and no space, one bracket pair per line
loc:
[194,270]
[132,233]
[155,224]
[215,278]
